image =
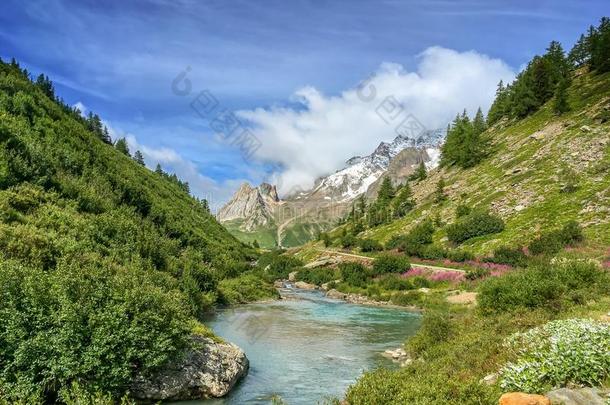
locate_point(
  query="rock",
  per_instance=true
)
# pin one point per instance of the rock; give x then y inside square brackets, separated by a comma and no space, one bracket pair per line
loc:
[582,396]
[424,290]
[278,284]
[519,208]
[292,276]
[319,263]
[465,297]
[519,398]
[537,136]
[489,379]
[338,295]
[585,128]
[305,286]
[208,369]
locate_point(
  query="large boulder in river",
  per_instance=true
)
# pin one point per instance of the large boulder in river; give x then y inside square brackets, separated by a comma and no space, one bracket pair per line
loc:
[208,369]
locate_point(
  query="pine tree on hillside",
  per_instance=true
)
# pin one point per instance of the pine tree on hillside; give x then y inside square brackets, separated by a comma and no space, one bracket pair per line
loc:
[600,46]
[139,158]
[121,146]
[159,170]
[580,53]
[499,107]
[205,205]
[106,136]
[560,103]
[403,202]
[439,193]
[44,84]
[255,244]
[386,191]
[478,124]
[361,206]
[420,173]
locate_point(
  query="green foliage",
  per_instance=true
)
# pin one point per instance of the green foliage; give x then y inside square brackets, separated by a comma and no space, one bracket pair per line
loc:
[396,283]
[439,193]
[553,241]
[475,224]
[420,173]
[507,255]
[551,286]
[463,146]
[558,354]
[435,329]
[245,288]
[456,255]
[403,203]
[369,245]
[560,102]
[65,325]
[348,240]
[318,276]
[104,263]
[462,210]
[121,146]
[274,265]
[354,274]
[390,263]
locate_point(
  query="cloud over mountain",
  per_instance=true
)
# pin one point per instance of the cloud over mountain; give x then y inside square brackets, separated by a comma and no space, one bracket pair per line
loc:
[316,137]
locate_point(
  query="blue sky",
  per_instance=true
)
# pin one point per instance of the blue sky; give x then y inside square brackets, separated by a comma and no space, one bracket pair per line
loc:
[119,58]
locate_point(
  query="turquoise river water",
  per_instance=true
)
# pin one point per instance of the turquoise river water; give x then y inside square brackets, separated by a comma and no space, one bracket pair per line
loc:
[307,347]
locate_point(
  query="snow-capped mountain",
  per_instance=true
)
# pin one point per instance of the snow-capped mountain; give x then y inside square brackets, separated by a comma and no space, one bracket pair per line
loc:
[360,172]
[257,208]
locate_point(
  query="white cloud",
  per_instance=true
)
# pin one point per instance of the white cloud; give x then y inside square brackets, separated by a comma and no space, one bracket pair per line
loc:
[217,193]
[317,139]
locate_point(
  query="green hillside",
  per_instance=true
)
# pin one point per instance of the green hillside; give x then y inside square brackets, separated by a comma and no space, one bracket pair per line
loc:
[539,173]
[104,264]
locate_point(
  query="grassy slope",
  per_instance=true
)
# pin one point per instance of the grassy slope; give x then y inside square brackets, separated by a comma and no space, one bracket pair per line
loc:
[565,152]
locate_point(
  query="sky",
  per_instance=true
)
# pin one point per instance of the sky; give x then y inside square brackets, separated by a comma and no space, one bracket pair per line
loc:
[222,92]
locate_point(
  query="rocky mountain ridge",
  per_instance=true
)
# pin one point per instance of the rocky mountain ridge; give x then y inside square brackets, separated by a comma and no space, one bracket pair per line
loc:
[252,209]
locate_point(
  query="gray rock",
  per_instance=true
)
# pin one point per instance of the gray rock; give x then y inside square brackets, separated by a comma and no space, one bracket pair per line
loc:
[292,276]
[336,294]
[305,286]
[208,369]
[581,396]
[490,379]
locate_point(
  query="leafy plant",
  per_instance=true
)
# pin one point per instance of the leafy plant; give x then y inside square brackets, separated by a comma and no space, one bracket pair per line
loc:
[473,225]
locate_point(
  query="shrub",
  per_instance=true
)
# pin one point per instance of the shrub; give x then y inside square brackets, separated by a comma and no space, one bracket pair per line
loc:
[370,245]
[348,241]
[317,276]
[475,274]
[276,266]
[553,241]
[388,263]
[560,353]
[354,274]
[543,286]
[462,210]
[460,256]
[243,289]
[473,225]
[432,252]
[87,322]
[435,329]
[395,282]
[506,255]
[397,242]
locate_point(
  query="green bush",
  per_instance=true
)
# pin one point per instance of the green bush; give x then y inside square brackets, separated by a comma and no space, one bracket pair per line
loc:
[415,241]
[462,211]
[389,263]
[558,354]
[432,252]
[354,274]
[369,245]
[318,276]
[473,225]
[348,241]
[243,289]
[88,322]
[397,242]
[274,265]
[553,241]
[435,329]
[395,282]
[543,286]
[460,256]
[506,255]
[477,273]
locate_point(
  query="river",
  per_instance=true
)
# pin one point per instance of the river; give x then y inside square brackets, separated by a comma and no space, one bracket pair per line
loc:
[307,347]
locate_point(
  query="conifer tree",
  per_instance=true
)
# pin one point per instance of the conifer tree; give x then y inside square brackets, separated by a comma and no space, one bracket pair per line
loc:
[159,170]
[386,191]
[560,103]
[121,146]
[420,173]
[439,194]
[204,204]
[403,202]
[255,244]
[139,158]
[478,124]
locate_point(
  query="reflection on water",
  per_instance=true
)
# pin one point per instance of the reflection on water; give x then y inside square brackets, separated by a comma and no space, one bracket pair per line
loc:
[308,347]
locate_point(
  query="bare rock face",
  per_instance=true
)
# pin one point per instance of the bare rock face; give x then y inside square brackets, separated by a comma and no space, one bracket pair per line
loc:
[255,205]
[207,370]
